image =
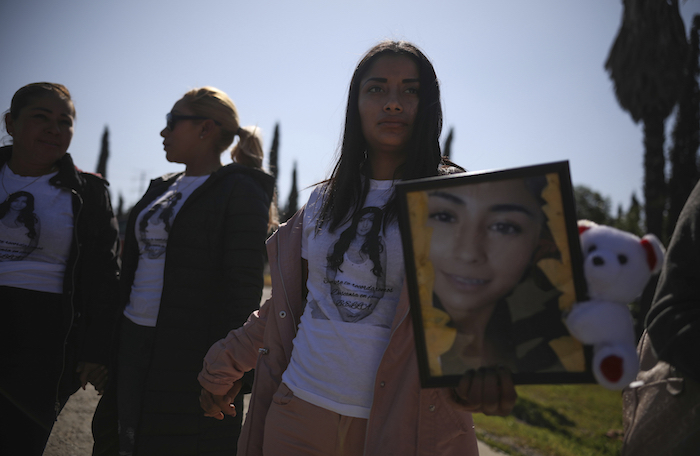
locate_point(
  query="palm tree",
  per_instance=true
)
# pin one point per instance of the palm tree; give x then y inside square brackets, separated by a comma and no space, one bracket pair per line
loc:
[646,65]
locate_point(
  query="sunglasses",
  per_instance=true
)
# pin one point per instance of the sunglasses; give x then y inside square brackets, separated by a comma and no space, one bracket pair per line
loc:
[172,119]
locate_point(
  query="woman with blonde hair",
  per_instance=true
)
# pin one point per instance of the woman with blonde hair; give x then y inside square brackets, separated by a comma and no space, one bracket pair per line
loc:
[192,271]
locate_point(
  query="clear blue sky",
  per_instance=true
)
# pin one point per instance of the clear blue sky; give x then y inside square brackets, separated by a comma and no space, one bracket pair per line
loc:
[522,81]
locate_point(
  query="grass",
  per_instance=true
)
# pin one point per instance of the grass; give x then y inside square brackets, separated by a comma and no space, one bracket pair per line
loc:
[557,420]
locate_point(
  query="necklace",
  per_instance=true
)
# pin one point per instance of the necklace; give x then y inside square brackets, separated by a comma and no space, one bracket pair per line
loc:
[2,181]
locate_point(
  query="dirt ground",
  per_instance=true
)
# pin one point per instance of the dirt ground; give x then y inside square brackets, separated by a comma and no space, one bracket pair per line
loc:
[71,435]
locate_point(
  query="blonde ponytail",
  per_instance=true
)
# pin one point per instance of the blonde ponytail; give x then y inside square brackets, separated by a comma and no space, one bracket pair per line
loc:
[248,151]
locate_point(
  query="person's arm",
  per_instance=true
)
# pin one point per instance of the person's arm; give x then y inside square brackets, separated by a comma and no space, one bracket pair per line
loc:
[226,362]
[96,374]
[673,322]
[243,245]
[229,358]
[96,283]
[219,405]
[98,236]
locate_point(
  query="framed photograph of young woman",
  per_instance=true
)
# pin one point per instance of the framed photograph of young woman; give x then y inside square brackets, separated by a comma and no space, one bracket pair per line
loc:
[493,262]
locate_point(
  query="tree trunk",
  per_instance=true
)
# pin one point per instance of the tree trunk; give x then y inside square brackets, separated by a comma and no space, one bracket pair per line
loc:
[654,179]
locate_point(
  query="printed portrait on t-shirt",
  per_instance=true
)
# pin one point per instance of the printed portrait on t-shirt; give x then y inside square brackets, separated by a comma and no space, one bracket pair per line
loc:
[155,225]
[19,227]
[356,266]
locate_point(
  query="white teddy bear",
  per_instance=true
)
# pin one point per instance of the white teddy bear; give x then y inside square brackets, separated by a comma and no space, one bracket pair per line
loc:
[617,266]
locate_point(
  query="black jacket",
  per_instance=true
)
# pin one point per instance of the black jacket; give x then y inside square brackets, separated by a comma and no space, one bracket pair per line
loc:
[213,280]
[673,322]
[90,285]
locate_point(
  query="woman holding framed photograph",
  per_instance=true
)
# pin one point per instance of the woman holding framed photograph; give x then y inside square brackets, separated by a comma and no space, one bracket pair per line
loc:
[325,385]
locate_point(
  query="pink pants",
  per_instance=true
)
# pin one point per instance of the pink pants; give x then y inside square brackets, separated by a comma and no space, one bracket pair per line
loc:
[296,427]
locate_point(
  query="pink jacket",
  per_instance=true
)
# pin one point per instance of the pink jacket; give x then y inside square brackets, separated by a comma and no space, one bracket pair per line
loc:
[404,419]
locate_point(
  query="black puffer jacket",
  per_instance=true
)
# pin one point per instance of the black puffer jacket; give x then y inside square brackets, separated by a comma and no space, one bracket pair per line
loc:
[213,280]
[92,271]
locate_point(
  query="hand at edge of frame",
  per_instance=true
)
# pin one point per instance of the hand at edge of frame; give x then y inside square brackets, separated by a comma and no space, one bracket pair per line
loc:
[490,391]
[216,406]
[96,374]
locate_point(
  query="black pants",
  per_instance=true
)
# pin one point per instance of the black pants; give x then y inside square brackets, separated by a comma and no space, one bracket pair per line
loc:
[124,402]
[135,348]
[32,344]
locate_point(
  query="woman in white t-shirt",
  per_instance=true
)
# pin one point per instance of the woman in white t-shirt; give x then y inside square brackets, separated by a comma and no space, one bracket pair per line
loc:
[192,271]
[325,397]
[58,269]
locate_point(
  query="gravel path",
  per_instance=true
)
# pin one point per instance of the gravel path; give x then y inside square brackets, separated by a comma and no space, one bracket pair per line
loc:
[71,435]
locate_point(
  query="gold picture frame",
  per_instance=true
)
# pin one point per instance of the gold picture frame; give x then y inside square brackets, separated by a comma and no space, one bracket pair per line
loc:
[493,262]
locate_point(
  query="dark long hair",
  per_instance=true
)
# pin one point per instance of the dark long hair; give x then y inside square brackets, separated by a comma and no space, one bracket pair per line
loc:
[26,216]
[372,245]
[30,92]
[346,190]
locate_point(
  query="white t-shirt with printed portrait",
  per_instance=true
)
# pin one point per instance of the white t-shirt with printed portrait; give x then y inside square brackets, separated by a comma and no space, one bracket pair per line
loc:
[152,229]
[36,232]
[355,279]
